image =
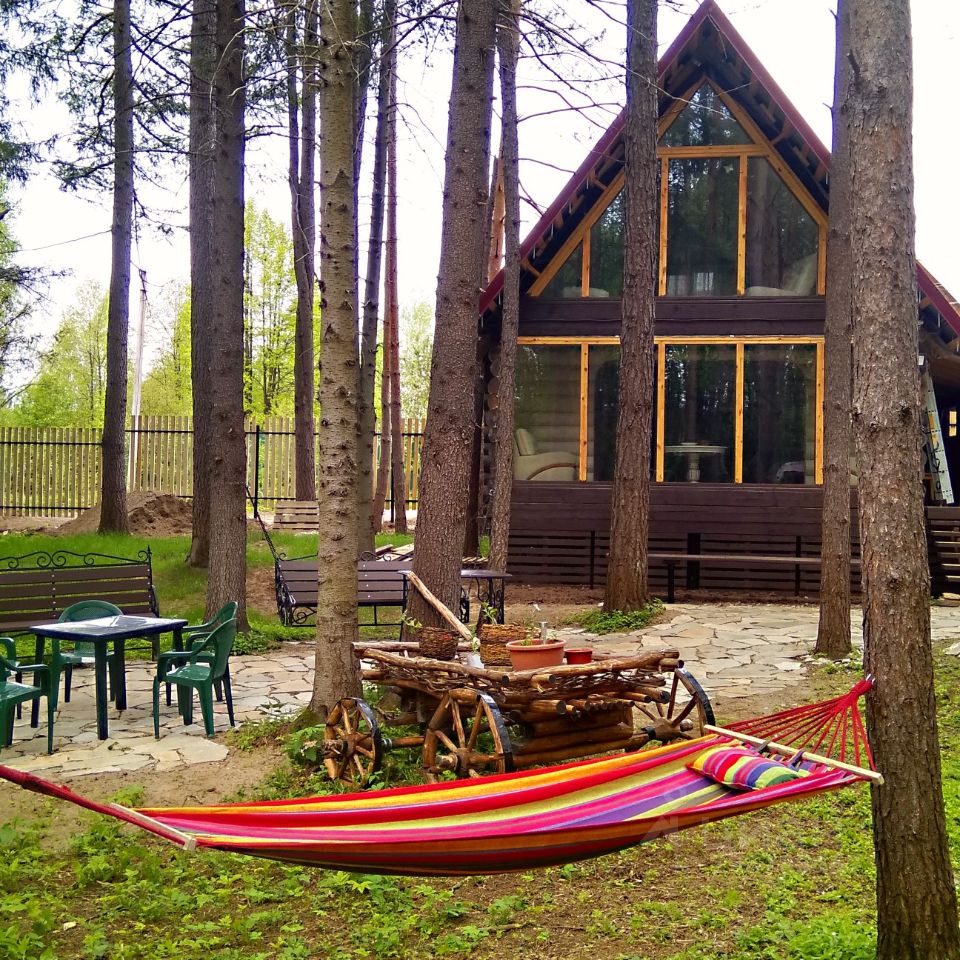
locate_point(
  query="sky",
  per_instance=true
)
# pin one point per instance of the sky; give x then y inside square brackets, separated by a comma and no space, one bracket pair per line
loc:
[794,39]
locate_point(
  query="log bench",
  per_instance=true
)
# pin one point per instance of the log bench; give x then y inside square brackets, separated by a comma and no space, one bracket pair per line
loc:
[38,587]
[671,559]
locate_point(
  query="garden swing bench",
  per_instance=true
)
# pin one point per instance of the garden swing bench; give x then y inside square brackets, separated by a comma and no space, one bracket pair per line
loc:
[534,818]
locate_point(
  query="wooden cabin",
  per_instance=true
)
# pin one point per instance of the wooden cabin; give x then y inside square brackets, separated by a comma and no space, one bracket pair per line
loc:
[738,421]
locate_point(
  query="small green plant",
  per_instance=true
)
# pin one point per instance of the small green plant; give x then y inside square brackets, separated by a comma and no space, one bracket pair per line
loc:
[617,621]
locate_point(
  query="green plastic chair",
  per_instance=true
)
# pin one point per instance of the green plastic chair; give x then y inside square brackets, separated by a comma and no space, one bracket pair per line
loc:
[14,693]
[194,635]
[83,651]
[8,650]
[207,663]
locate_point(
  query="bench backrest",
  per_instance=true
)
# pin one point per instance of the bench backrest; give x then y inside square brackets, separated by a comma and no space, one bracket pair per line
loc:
[30,595]
[379,582]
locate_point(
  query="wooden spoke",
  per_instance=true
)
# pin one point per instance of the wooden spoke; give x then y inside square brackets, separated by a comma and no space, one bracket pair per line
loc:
[352,742]
[683,716]
[467,743]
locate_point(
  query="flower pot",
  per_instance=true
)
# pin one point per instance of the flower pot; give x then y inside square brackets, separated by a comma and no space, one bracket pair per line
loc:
[532,656]
[578,654]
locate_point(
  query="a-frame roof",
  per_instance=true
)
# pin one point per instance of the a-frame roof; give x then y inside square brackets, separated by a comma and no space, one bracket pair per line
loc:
[709,46]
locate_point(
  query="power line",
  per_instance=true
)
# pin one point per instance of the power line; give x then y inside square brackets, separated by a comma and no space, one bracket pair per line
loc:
[62,243]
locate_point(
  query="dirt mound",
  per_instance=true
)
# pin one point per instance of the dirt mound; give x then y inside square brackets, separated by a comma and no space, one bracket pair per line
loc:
[149,514]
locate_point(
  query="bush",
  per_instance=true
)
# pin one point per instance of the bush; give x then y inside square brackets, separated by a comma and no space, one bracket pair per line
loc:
[617,621]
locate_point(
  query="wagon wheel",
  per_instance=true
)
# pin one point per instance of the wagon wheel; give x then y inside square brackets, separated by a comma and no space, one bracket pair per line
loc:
[353,744]
[467,737]
[682,714]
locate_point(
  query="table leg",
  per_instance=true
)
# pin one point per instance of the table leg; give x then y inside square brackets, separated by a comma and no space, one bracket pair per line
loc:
[178,636]
[100,677]
[120,676]
[39,644]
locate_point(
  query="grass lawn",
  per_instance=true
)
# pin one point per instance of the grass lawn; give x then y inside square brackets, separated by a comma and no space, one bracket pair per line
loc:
[793,882]
[181,589]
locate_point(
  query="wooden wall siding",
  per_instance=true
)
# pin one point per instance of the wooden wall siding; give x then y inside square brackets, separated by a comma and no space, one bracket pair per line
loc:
[560,533]
[55,471]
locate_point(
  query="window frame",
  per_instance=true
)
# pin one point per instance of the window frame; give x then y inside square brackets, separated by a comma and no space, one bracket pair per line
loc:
[760,147]
[660,346]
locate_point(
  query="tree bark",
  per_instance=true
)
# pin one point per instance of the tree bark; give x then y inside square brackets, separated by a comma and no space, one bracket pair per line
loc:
[916,901]
[445,461]
[371,521]
[508,44]
[337,674]
[627,571]
[398,487]
[203,61]
[113,487]
[833,631]
[228,449]
[302,137]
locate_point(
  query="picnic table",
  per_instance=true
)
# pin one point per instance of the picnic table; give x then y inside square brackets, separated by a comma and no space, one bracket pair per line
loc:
[100,632]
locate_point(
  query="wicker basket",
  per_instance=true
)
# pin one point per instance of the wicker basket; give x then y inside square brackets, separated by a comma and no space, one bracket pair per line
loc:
[438,643]
[494,638]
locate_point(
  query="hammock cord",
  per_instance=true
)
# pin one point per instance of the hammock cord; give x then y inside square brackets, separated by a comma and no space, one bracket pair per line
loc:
[833,728]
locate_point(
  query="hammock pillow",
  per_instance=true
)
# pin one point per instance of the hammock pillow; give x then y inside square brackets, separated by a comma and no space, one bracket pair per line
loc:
[742,769]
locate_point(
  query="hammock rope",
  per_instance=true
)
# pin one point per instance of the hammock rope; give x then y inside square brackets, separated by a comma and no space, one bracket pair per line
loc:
[515,821]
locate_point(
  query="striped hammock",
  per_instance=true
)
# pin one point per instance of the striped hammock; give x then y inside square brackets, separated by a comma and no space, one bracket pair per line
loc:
[517,821]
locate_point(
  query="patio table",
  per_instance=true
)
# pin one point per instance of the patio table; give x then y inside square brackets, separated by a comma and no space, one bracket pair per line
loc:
[100,632]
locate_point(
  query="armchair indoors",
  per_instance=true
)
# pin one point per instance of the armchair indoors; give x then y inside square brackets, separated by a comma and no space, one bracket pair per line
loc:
[530,464]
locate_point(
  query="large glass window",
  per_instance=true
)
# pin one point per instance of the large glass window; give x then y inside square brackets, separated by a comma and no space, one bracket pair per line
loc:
[606,251]
[702,205]
[699,412]
[603,402]
[782,238]
[779,413]
[547,413]
[704,122]
[567,282]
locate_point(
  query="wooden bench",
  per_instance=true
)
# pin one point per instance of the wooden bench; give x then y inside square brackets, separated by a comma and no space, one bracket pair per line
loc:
[380,583]
[671,559]
[296,516]
[38,587]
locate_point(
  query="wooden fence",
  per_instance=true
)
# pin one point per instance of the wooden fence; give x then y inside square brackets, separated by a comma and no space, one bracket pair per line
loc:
[55,471]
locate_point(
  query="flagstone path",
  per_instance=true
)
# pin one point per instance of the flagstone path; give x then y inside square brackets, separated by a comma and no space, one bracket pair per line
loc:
[735,650]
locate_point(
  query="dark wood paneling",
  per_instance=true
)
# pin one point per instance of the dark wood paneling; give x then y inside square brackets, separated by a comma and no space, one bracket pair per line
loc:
[560,533]
[677,316]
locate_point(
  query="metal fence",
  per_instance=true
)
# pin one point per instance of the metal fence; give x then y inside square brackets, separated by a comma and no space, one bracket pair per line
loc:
[55,471]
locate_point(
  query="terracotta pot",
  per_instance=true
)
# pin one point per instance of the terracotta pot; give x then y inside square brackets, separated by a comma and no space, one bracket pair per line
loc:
[531,656]
[578,654]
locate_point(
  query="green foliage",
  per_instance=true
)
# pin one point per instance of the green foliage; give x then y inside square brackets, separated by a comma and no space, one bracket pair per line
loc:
[69,386]
[269,307]
[416,351]
[167,388]
[616,621]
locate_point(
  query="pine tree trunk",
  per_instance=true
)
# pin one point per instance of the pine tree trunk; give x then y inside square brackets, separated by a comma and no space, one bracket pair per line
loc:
[370,520]
[337,673]
[228,461]
[627,570]
[445,460]
[113,489]
[916,901]
[398,491]
[203,60]
[302,138]
[508,44]
[833,632]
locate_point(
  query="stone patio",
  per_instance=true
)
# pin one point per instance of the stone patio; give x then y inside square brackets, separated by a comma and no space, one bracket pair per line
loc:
[734,650]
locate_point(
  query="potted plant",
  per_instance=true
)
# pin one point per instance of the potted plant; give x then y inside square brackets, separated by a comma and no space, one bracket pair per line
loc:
[534,652]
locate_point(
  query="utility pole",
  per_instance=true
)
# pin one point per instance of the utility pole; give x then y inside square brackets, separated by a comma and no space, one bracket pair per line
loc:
[137,380]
